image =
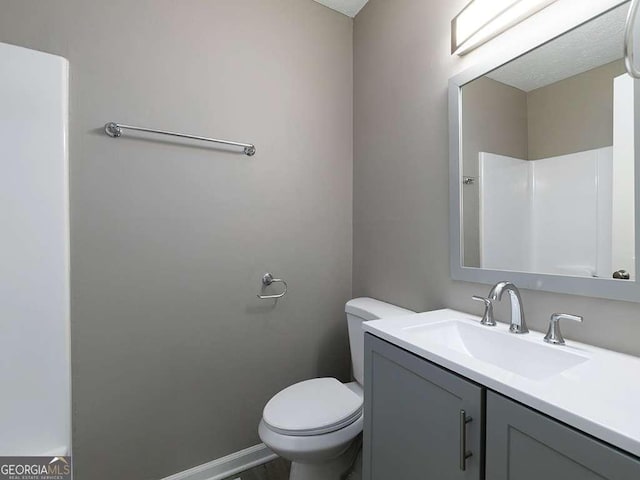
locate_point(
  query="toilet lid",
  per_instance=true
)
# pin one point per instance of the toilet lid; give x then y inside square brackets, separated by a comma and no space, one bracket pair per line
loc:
[312,407]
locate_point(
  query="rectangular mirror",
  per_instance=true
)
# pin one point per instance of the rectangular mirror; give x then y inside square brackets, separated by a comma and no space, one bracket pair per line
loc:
[543,175]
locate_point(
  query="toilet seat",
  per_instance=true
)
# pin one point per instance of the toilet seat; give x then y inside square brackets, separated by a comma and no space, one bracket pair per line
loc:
[313,407]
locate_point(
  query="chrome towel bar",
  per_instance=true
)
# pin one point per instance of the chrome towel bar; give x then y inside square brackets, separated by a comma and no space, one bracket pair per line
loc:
[267,279]
[114,130]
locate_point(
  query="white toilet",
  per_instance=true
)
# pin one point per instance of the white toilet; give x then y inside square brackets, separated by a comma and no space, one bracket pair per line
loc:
[316,423]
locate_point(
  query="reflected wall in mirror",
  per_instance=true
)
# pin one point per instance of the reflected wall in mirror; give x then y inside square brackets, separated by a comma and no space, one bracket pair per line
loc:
[547,159]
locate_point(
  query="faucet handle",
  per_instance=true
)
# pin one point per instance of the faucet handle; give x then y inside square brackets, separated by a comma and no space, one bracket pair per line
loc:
[554,335]
[487,318]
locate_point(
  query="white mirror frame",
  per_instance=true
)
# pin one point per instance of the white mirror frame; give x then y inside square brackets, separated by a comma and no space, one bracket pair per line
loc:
[628,290]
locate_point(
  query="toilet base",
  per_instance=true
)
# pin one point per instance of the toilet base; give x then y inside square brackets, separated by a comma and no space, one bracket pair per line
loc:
[335,469]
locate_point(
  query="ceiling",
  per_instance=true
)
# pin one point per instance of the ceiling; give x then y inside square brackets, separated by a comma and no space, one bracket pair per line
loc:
[593,44]
[349,7]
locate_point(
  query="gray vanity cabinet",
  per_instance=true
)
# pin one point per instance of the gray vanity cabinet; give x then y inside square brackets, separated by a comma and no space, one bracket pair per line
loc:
[413,428]
[523,444]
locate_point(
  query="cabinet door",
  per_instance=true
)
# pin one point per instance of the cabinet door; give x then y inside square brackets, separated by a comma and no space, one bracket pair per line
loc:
[523,444]
[413,427]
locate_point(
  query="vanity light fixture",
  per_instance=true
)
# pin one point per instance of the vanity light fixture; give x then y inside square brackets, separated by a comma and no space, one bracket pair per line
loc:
[482,20]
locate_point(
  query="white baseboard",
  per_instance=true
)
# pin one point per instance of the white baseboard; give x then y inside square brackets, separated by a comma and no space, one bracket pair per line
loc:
[225,467]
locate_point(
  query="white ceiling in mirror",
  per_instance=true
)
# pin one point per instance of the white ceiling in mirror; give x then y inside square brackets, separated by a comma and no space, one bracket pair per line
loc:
[348,7]
[594,44]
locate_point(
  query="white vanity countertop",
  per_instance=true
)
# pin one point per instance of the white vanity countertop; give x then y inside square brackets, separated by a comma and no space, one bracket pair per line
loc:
[600,396]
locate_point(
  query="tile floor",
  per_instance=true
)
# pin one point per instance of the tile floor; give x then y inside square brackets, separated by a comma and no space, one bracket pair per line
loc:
[279,470]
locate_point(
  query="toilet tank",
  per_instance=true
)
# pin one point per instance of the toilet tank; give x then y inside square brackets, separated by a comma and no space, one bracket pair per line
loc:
[361,310]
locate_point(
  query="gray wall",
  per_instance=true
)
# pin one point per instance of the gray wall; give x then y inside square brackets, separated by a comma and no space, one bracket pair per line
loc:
[173,354]
[401,176]
[562,121]
[495,121]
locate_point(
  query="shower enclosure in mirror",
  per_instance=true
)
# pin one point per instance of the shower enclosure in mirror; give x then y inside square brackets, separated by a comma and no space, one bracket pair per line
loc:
[543,166]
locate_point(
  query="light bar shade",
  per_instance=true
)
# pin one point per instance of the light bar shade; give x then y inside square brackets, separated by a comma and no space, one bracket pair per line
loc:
[482,20]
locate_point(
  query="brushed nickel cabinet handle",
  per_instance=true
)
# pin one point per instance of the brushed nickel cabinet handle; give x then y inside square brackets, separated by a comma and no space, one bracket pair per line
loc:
[464,453]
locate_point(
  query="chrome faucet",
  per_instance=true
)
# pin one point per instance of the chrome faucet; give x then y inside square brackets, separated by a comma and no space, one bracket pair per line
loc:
[554,335]
[487,318]
[518,325]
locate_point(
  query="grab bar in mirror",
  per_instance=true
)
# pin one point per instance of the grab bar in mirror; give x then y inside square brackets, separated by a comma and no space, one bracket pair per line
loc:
[629,39]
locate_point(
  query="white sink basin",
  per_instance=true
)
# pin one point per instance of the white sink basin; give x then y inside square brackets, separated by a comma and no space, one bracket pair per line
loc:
[503,350]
